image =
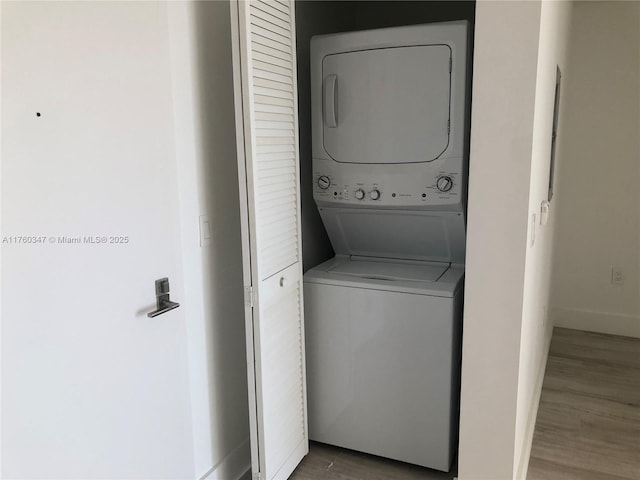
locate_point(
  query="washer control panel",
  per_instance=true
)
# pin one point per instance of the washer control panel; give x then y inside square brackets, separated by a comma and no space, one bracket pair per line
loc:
[413,187]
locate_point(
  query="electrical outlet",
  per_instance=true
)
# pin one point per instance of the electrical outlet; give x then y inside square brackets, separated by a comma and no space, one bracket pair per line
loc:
[617,276]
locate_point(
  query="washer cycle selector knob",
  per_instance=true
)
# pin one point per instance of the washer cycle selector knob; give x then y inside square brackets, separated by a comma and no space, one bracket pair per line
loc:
[359,194]
[324,182]
[374,194]
[444,183]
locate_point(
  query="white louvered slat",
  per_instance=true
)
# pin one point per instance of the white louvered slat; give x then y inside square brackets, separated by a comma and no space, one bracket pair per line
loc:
[272,247]
[274,141]
[277,160]
[275,149]
[275,48]
[280,117]
[271,74]
[269,66]
[273,93]
[276,348]
[282,7]
[273,184]
[276,202]
[271,15]
[277,42]
[269,175]
[269,125]
[285,225]
[267,7]
[288,210]
[275,168]
[276,248]
[274,173]
[263,47]
[266,24]
[272,84]
[272,188]
[267,100]
[272,60]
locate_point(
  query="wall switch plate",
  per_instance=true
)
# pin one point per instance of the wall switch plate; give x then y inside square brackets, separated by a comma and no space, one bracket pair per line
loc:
[205,231]
[533,229]
[617,276]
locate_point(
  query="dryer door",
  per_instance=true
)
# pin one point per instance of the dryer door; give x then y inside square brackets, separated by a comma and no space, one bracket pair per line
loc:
[388,105]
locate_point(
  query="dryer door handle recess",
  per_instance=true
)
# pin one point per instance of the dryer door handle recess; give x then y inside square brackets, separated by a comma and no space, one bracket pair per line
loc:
[330,103]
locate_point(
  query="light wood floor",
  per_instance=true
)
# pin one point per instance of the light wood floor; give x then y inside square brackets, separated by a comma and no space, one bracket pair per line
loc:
[588,425]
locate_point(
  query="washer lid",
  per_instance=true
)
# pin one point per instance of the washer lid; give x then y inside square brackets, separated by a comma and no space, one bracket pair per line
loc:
[436,280]
[380,270]
[387,105]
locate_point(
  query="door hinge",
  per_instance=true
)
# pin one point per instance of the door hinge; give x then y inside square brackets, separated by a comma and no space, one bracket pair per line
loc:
[249,297]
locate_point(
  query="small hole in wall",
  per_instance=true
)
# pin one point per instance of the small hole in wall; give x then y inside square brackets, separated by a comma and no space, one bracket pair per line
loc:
[38,114]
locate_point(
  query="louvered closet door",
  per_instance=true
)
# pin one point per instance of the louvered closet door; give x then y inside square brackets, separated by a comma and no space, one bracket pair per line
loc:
[267,126]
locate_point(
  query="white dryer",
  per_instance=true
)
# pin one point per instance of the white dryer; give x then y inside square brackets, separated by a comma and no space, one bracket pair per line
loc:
[383,318]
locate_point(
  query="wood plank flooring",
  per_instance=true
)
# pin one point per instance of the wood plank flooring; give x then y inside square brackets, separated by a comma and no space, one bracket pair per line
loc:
[588,424]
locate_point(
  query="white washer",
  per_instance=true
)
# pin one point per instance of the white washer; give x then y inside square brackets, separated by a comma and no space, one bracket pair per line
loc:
[383,353]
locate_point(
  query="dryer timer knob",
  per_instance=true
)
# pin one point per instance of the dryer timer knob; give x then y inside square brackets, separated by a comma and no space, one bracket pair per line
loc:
[374,194]
[359,194]
[444,183]
[324,182]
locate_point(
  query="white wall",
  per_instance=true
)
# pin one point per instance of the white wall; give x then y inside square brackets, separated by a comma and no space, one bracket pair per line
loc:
[597,185]
[536,327]
[137,130]
[505,337]
[91,386]
[202,81]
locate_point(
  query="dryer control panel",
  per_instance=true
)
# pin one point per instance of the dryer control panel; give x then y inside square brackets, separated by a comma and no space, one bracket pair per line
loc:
[417,186]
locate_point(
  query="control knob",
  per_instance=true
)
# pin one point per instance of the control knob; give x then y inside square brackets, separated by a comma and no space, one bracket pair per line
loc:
[324,182]
[444,183]
[374,194]
[359,194]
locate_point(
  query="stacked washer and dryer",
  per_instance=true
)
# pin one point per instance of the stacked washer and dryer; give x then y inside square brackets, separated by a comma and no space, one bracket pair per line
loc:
[383,317]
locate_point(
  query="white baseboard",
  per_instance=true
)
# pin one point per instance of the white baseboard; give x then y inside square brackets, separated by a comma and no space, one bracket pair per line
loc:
[234,466]
[592,321]
[525,454]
